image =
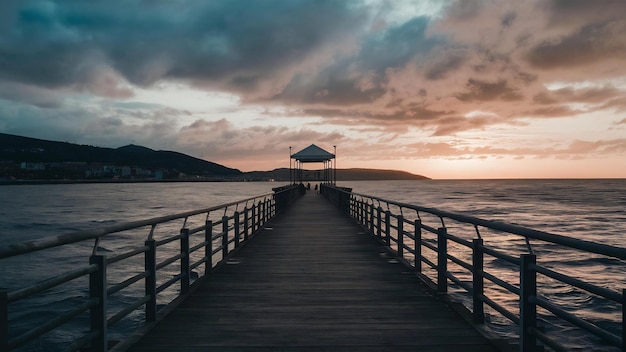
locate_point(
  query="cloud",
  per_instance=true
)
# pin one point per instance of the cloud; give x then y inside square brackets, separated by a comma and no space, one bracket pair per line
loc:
[77,70]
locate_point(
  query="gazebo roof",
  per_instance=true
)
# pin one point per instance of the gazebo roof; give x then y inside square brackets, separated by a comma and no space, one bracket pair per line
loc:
[312,154]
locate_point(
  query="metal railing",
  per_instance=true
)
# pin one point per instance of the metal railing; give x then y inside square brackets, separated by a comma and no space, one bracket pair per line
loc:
[434,232]
[166,264]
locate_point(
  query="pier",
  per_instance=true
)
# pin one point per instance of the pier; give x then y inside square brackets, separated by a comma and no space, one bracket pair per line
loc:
[312,280]
[295,270]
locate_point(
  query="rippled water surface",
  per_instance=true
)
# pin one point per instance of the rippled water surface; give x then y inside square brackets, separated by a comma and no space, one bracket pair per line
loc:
[593,210]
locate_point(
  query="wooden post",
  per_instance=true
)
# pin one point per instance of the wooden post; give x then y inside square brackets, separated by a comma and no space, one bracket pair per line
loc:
[98,313]
[380,222]
[388,228]
[246,224]
[237,231]
[528,309]
[371,222]
[442,260]
[258,214]
[208,248]
[150,282]
[253,218]
[477,281]
[4,320]
[418,246]
[401,236]
[224,237]
[184,261]
[361,212]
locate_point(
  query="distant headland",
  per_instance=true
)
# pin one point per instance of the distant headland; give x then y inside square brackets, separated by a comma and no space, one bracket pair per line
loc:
[30,160]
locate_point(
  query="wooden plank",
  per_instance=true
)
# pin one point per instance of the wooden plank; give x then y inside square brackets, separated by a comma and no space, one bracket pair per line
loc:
[314,282]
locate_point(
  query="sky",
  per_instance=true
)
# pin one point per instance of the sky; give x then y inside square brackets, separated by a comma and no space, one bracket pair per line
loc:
[445,89]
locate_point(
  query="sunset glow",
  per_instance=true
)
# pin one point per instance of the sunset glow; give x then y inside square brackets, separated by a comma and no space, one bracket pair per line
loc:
[445,89]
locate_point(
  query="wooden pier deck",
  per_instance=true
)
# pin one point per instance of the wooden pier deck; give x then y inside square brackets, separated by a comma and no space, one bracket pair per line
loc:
[314,282]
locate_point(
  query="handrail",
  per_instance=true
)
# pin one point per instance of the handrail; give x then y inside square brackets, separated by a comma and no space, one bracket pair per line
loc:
[376,221]
[593,247]
[78,236]
[106,281]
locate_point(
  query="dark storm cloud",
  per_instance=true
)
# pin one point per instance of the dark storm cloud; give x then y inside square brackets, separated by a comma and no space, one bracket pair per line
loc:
[56,44]
[449,61]
[360,78]
[595,42]
[478,90]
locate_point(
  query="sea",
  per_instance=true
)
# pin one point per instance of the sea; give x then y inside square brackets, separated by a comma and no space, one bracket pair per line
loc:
[588,209]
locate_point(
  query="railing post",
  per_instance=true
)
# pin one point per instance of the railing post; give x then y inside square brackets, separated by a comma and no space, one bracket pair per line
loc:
[262,214]
[208,248]
[184,261]
[388,228]
[237,231]
[253,217]
[361,212]
[98,313]
[224,237]
[4,320]
[401,236]
[477,282]
[371,222]
[150,282]
[442,260]
[380,222]
[258,214]
[246,223]
[418,246]
[528,308]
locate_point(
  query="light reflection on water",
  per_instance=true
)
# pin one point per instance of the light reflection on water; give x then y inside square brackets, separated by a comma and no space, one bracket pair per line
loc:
[587,209]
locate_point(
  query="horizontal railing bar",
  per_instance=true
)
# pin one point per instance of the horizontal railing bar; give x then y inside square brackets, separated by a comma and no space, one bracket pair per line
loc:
[198,263]
[49,242]
[429,246]
[50,283]
[216,250]
[409,235]
[460,262]
[467,287]
[198,246]
[583,324]
[505,285]
[168,283]
[127,255]
[429,263]
[167,240]
[197,229]
[429,228]
[124,312]
[408,248]
[217,236]
[131,280]
[500,309]
[588,246]
[508,258]
[82,341]
[548,341]
[600,291]
[168,261]
[459,240]
[52,324]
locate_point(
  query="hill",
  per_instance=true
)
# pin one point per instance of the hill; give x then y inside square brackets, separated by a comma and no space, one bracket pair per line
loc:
[24,149]
[73,161]
[342,175]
